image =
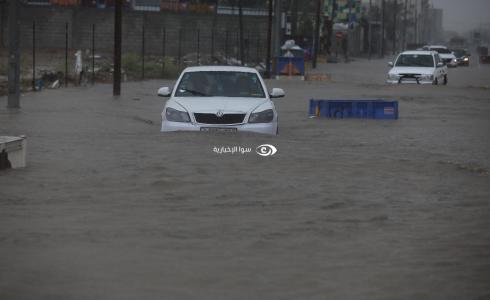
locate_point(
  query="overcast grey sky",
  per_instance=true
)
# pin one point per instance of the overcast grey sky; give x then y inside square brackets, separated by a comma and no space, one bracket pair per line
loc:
[463,15]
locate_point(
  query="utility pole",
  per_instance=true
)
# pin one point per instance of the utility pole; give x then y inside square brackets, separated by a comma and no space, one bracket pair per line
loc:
[269,42]
[143,48]
[116,85]
[277,28]
[395,9]
[370,28]
[66,54]
[404,35]
[416,25]
[14,55]
[215,16]
[240,25]
[34,56]
[294,18]
[317,34]
[329,26]
[423,13]
[382,28]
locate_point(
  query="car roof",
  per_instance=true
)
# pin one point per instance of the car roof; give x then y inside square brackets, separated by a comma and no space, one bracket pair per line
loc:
[436,46]
[220,68]
[419,52]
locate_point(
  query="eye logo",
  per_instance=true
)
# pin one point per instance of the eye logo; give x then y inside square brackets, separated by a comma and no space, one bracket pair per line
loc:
[266,150]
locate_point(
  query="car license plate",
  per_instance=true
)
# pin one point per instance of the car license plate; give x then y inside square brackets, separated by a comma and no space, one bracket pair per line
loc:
[218,129]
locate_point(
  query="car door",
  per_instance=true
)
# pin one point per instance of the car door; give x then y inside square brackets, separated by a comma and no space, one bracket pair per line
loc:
[440,71]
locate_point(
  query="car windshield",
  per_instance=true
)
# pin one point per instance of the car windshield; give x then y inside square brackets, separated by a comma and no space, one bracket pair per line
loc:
[415,60]
[220,84]
[459,53]
[441,50]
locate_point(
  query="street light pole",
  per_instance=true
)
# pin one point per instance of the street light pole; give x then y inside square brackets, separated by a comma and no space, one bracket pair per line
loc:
[14,55]
[317,33]
[370,28]
[404,37]
[395,8]
[277,28]
[416,24]
[240,25]
[382,28]
[116,86]
[269,41]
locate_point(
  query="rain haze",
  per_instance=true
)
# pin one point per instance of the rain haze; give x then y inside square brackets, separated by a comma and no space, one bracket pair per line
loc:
[462,16]
[244,149]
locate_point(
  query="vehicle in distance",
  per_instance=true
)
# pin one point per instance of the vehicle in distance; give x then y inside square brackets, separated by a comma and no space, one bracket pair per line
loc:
[220,98]
[446,55]
[462,57]
[420,67]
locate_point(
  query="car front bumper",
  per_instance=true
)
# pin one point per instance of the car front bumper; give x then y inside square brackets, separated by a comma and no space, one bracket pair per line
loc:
[452,64]
[406,81]
[264,128]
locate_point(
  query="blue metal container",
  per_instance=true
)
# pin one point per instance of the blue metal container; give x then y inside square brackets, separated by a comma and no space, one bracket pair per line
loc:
[364,109]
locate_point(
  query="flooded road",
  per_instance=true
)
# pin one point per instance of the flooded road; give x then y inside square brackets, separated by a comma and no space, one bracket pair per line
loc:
[110,208]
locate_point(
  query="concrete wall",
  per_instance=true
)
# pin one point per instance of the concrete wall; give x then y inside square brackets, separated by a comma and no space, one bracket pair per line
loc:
[50,30]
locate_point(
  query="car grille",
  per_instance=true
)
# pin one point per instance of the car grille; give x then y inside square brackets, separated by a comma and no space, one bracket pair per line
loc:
[409,75]
[213,119]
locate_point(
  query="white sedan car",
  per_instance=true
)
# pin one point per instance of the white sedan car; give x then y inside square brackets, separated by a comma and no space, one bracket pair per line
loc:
[420,67]
[220,98]
[447,56]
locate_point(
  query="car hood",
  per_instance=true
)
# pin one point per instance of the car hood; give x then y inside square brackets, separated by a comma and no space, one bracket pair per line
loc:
[447,55]
[412,70]
[225,104]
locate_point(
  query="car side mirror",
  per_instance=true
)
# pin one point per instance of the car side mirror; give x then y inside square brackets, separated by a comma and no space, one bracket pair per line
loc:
[440,64]
[164,92]
[390,63]
[277,93]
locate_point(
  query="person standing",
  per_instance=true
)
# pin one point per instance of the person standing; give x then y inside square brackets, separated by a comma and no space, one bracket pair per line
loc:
[345,47]
[79,72]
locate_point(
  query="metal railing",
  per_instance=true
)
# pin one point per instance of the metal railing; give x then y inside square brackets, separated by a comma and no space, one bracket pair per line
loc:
[59,54]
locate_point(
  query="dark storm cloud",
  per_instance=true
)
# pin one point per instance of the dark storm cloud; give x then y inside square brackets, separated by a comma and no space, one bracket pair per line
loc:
[464,15]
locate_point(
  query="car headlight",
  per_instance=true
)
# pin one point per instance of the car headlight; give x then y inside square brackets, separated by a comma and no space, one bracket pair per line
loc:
[174,115]
[455,60]
[426,77]
[466,59]
[393,76]
[265,116]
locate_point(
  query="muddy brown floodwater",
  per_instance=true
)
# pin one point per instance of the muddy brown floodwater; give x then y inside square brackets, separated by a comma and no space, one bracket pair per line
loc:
[110,208]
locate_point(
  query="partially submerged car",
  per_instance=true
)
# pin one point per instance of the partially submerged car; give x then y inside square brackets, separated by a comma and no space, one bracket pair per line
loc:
[446,55]
[220,98]
[420,67]
[462,57]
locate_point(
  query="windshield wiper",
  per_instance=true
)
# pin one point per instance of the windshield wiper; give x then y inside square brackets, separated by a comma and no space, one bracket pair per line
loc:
[194,92]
